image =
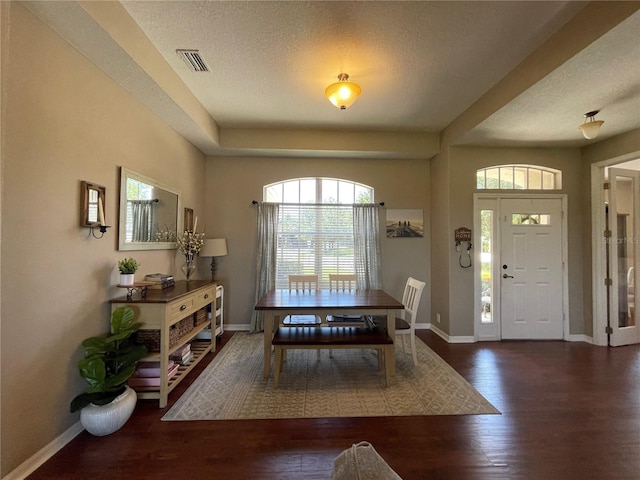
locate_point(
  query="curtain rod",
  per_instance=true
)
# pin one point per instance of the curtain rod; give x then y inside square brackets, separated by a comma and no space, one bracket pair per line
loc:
[255,202]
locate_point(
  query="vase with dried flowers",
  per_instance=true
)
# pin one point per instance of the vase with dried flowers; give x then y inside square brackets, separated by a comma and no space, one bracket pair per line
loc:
[189,244]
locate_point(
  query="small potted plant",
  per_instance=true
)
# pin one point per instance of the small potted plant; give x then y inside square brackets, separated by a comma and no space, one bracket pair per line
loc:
[128,268]
[108,363]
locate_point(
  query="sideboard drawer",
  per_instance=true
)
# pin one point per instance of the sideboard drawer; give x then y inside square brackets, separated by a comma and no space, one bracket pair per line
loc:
[181,308]
[204,297]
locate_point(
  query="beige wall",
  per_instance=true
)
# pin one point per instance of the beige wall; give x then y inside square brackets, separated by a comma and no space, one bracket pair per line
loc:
[232,183]
[621,148]
[453,186]
[441,235]
[64,121]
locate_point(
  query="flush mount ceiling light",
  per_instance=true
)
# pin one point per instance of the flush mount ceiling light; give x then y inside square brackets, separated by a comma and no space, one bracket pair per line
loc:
[343,93]
[591,127]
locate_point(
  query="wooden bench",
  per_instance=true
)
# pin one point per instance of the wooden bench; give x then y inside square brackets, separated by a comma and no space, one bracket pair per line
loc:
[332,338]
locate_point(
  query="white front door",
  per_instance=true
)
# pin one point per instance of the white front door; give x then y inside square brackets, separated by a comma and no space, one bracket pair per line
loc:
[531,269]
[622,250]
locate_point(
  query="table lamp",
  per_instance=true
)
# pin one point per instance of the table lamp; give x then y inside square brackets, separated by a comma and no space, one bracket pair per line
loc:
[214,247]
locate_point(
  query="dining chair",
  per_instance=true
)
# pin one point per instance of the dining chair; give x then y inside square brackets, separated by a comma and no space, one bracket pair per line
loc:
[406,322]
[302,284]
[345,283]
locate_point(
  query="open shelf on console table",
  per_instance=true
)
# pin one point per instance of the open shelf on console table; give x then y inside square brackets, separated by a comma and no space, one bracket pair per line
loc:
[161,309]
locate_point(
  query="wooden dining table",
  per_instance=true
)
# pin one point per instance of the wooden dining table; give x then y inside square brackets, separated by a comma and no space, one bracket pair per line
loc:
[277,304]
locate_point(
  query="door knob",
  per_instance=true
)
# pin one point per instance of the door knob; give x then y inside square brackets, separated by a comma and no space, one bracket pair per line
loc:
[506,276]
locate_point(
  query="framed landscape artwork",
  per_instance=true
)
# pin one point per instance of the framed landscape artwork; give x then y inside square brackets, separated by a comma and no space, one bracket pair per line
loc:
[405,223]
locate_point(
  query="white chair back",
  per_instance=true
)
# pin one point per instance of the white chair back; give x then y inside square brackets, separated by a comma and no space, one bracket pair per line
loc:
[406,324]
[303,283]
[411,300]
[345,283]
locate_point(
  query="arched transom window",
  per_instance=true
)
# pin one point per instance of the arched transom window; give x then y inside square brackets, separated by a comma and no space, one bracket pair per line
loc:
[518,177]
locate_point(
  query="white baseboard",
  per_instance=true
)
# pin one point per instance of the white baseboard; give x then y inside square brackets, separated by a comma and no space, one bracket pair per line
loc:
[471,339]
[41,456]
[238,328]
[580,338]
[449,339]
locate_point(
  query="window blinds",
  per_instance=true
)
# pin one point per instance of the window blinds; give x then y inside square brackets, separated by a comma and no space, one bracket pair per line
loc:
[314,240]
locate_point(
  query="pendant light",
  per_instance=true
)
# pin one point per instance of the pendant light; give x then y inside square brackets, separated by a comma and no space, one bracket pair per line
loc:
[591,127]
[343,93]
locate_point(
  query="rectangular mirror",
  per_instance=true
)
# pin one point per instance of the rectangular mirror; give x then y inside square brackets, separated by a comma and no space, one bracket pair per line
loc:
[149,217]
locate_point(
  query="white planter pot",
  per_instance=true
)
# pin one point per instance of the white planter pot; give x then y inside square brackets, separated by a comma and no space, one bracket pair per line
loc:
[101,420]
[127,278]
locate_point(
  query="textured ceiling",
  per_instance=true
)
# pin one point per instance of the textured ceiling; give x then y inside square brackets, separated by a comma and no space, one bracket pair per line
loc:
[604,76]
[493,73]
[420,64]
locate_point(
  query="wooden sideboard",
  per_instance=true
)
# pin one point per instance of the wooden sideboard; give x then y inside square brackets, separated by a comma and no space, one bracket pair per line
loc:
[161,311]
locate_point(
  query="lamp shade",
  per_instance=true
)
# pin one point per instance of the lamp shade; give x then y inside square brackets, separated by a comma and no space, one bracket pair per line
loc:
[591,129]
[214,247]
[343,93]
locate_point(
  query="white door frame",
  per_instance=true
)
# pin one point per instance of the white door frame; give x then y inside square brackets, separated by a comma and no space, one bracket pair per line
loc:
[628,334]
[478,328]
[598,254]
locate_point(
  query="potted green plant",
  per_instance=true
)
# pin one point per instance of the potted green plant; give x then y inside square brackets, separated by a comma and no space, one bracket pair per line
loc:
[108,363]
[128,268]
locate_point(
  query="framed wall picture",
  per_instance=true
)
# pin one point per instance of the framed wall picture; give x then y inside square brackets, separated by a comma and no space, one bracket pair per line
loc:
[405,223]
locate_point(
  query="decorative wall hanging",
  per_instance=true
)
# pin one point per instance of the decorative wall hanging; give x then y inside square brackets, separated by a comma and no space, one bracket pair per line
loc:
[92,211]
[188,219]
[405,223]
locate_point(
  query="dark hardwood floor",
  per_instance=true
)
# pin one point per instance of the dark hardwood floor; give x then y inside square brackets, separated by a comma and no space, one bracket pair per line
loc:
[569,411]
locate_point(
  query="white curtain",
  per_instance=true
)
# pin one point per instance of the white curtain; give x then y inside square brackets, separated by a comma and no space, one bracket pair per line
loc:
[266,253]
[142,214]
[366,246]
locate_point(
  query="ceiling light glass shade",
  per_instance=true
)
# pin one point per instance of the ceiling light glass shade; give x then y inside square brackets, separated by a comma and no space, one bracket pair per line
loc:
[591,127]
[343,93]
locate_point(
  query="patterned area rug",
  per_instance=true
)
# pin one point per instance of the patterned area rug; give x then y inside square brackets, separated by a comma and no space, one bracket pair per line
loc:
[347,384]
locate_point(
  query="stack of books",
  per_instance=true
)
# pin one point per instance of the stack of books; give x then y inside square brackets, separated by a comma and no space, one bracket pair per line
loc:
[147,374]
[183,355]
[159,280]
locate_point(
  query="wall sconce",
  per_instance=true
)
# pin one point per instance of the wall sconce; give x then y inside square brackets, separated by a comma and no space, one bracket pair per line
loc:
[214,247]
[92,211]
[591,127]
[343,93]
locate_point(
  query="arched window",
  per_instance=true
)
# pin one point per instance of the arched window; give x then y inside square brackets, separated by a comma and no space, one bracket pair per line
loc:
[315,226]
[518,177]
[318,190]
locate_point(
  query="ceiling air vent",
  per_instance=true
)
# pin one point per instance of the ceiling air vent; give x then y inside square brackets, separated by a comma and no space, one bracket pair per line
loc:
[193,60]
